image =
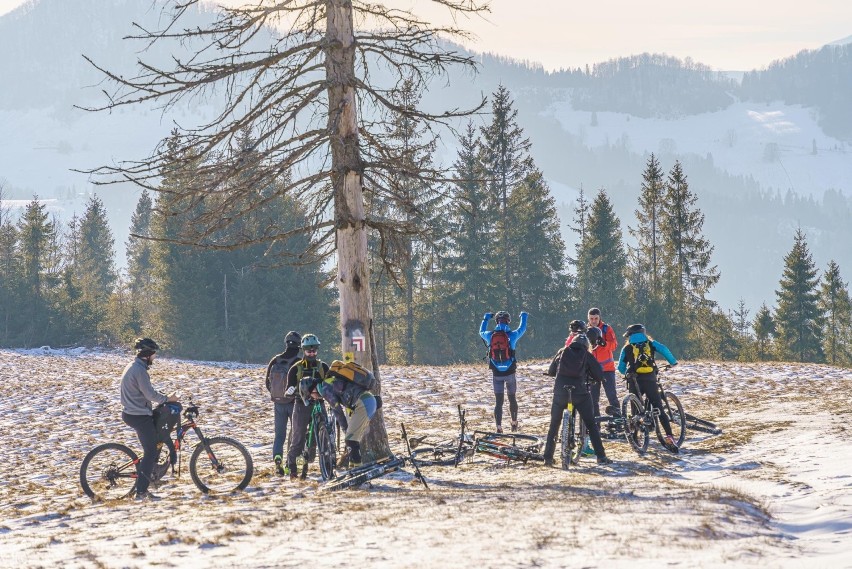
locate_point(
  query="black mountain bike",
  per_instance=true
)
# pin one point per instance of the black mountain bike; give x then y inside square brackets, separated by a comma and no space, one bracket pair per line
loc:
[640,417]
[444,453]
[321,435]
[509,446]
[361,474]
[218,464]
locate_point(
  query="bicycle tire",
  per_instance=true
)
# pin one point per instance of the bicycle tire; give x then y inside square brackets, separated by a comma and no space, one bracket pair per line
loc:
[693,423]
[362,474]
[635,429]
[231,471]
[674,411]
[325,451]
[108,472]
[507,452]
[568,440]
[439,455]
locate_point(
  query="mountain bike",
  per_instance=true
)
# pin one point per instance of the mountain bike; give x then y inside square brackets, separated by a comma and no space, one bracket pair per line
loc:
[444,453]
[321,427]
[573,432]
[218,464]
[509,446]
[361,474]
[693,423]
[640,417]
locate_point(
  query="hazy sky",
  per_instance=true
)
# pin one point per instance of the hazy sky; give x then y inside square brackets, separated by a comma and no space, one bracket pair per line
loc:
[724,34]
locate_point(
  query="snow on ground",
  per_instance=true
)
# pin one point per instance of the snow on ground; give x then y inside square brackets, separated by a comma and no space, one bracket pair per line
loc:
[737,137]
[774,489]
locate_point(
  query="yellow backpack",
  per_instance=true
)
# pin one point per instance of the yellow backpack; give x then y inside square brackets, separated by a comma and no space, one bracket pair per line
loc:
[643,358]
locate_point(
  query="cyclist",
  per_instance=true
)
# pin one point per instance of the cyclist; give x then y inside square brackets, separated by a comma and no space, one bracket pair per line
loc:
[573,366]
[312,368]
[283,395]
[503,367]
[361,405]
[604,350]
[137,394]
[637,357]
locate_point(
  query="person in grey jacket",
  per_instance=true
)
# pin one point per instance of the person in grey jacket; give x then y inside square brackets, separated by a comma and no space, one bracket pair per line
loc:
[137,394]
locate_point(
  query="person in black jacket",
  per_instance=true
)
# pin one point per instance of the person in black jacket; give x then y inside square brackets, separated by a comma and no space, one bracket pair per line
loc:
[572,366]
[282,394]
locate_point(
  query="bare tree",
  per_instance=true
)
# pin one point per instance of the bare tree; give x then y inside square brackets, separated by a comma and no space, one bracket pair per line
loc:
[313,97]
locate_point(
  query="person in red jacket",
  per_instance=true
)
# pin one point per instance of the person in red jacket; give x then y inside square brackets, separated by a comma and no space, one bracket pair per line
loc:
[604,347]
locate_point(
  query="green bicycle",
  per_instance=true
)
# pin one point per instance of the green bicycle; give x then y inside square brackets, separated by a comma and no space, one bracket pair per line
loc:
[320,428]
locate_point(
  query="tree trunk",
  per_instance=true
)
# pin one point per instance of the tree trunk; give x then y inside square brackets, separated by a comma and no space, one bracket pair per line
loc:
[353,270]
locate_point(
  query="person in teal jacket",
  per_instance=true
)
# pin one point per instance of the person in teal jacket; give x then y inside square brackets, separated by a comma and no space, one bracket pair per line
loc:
[503,365]
[637,357]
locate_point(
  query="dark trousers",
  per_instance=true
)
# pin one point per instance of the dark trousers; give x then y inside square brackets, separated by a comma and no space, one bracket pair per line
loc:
[146,431]
[609,389]
[583,404]
[648,386]
[283,414]
[507,384]
[298,433]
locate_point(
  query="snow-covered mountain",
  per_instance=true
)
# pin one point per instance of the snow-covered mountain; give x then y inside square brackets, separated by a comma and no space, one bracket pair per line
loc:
[743,149]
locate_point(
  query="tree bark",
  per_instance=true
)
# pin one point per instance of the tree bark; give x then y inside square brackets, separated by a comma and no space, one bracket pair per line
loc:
[353,270]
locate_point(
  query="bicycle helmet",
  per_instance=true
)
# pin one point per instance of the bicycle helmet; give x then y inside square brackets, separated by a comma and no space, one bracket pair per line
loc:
[293,339]
[310,341]
[145,345]
[634,329]
[593,333]
[502,316]
[582,340]
[577,326]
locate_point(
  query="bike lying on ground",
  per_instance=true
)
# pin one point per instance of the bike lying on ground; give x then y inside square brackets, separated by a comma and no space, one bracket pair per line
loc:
[509,446]
[361,474]
[444,453]
[218,464]
[693,423]
[640,416]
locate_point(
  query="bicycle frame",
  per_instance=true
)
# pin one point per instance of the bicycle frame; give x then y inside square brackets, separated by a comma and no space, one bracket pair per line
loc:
[319,415]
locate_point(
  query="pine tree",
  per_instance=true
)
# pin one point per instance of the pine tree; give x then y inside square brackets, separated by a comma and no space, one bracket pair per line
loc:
[764,331]
[37,236]
[797,314]
[578,285]
[139,248]
[836,308]
[507,162]
[602,282]
[10,275]
[538,276]
[687,269]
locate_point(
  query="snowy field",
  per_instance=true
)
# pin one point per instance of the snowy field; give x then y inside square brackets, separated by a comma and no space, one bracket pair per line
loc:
[774,490]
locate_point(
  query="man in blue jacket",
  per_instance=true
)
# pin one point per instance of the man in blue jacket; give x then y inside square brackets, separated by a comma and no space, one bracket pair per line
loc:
[501,344]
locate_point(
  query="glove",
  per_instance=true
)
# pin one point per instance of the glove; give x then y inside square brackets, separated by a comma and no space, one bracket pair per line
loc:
[523,314]
[601,342]
[487,316]
[290,390]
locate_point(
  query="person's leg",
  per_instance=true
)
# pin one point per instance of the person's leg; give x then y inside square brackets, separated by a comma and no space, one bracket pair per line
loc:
[596,397]
[499,388]
[298,434]
[648,385]
[511,384]
[609,389]
[583,403]
[557,406]
[283,411]
[146,431]
[359,423]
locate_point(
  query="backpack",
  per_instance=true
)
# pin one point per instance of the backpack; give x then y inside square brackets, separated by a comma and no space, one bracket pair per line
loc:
[643,358]
[350,371]
[278,379]
[499,348]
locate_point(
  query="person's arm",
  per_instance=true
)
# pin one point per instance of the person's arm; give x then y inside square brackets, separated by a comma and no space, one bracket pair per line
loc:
[665,351]
[292,378]
[522,327]
[594,367]
[483,328]
[554,363]
[611,342]
[622,361]
[143,381]
[268,371]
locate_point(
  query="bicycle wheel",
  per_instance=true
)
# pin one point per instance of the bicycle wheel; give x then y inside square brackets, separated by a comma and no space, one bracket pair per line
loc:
[325,451]
[569,441]
[635,429]
[674,411]
[442,455]
[357,476]
[225,468]
[108,472]
[693,423]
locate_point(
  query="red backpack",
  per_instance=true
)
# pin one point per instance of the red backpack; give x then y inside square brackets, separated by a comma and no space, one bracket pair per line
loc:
[499,349]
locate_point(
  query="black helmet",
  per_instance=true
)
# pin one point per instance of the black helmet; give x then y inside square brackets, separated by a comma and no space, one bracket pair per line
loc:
[634,329]
[582,340]
[293,339]
[145,345]
[577,326]
[593,333]
[502,315]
